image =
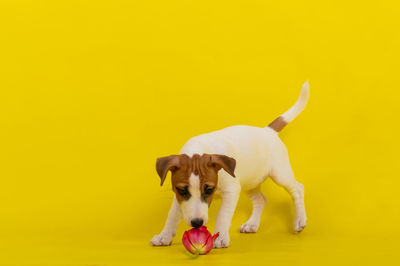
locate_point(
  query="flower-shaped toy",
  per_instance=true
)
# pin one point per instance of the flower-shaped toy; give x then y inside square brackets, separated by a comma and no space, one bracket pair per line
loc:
[198,241]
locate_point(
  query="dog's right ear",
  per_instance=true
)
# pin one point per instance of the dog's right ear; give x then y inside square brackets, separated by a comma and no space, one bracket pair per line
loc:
[165,164]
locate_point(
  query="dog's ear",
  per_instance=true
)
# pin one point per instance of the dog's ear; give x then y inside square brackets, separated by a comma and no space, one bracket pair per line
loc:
[165,164]
[222,161]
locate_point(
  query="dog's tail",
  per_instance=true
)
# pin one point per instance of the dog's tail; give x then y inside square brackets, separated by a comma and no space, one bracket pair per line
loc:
[287,117]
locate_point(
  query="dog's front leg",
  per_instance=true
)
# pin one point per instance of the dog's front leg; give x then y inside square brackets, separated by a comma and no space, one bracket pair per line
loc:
[230,197]
[169,231]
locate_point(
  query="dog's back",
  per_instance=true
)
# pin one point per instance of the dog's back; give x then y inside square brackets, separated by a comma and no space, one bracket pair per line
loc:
[252,147]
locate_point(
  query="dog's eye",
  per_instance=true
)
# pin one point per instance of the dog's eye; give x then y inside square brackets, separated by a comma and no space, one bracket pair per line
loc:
[208,190]
[183,191]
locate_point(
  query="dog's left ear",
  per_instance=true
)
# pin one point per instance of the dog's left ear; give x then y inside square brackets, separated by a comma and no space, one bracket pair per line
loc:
[219,161]
[165,164]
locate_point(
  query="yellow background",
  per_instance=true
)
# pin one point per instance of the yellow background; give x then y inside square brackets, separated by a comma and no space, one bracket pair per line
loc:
[92,92]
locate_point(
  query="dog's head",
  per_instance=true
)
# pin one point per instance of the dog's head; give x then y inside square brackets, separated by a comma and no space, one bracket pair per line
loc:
[194,181]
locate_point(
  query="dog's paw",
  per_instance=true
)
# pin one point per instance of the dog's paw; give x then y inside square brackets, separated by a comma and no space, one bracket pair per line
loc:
[299,223]
[222,240]
[249,227]
[162,239]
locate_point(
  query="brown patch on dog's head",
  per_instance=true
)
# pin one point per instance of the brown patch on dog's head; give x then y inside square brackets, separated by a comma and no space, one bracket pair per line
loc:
[205,166]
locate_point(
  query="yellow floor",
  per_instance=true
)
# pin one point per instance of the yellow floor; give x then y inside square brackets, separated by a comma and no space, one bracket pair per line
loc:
[325,241]
[260,249]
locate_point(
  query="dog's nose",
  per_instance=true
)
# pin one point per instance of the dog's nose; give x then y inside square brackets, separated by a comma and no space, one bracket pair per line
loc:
[196,222]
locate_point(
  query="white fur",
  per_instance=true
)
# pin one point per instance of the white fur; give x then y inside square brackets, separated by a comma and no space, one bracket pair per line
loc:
[194,208]
[259,154]
[299,106]
[258,199]
[169,231]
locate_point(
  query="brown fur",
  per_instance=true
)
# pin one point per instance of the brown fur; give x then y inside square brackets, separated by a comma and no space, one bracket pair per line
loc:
[278,124]
[206,166]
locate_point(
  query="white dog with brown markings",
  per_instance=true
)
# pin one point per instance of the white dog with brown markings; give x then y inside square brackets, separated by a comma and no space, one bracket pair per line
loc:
[248,156]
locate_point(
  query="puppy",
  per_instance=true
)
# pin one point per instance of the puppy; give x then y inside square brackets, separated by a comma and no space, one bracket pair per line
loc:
[228,161]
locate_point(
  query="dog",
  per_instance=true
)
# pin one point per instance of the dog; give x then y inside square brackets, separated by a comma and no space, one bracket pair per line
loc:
[228,161]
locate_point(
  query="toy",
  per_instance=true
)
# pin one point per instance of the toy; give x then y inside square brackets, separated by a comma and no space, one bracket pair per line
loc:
[198,241]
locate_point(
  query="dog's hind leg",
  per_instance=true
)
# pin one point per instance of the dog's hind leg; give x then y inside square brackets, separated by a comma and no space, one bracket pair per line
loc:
[284,177]
[258,200]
